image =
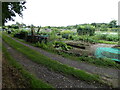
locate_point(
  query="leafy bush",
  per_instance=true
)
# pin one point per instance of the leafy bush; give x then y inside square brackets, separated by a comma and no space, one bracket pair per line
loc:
[108,37]
[91,40]
[74,37]
[67,34]
[15,31]
[112,37]
[101,36]
[86,30]
[22,34]
[53,35]
[87,39]
[62,45]
[41,45]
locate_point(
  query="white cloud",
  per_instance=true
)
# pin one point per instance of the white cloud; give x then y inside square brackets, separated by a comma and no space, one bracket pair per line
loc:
[69,12]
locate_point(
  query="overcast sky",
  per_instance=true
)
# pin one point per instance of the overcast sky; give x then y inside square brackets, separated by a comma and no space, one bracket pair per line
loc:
[68,12]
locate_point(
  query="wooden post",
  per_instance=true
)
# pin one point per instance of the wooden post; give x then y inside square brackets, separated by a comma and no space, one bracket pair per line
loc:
[32,33]
[38,30]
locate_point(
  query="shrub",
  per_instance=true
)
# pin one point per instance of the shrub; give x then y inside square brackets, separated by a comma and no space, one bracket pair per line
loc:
[75,37]
[102,36]
[67,33]
[87,39]
[22,34]
[41,45]
[65,36]
[108,37]
[112,37]
[86,30]
[62,45]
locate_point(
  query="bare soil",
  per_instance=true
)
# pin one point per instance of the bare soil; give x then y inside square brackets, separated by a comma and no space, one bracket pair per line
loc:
[11,77]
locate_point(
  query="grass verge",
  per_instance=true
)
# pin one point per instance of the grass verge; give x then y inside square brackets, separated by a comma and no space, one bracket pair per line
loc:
[101,62]
[54,65]
[32,81]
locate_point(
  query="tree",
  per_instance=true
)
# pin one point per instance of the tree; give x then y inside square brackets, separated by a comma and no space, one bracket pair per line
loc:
[10,9]
[113,24]
[80,29]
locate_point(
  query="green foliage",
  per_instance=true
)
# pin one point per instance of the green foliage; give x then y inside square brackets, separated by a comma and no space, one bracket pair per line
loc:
[86,30]
[107,42]
[21,34]
[53,34]
[24,32]
[107,37]
[105,62]
[62,45]
[90,40]
[102,62]
[81,30]
[101,36]
[113,24]
[112,38]
[56,30]
[15,31]
[66,34]
[114,29]
[104,27]
[54,65]
[75,37]
[87,39]
[41,45]
[13,26]
[9,9]
[44,33]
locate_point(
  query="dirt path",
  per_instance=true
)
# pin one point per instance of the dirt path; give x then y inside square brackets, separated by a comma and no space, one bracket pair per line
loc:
[11,77]
[111,75]
[58,80]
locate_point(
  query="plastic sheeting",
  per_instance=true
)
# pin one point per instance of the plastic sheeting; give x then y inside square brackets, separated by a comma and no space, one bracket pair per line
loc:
[107,52]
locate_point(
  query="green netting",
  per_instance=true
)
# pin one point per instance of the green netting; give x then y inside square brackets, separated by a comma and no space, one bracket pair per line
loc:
[106,52]
[44,35]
